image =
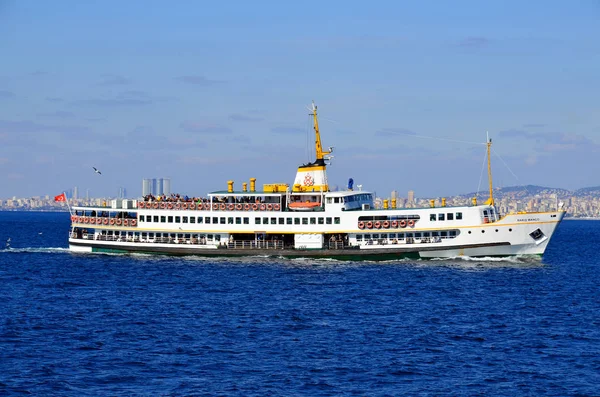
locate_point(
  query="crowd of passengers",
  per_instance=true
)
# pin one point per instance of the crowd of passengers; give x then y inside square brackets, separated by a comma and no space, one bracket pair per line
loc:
[177,198]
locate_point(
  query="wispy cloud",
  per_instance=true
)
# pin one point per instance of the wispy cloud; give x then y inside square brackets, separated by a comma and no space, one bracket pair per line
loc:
[287,130]
[7,95]
[58,114]
[197,80]
[552,141]
[127,98]
[9,127]
[113,79]
[474,42]
[190,126]
[243,118]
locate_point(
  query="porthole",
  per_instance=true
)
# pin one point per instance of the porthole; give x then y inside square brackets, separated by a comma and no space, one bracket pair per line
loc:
[510,230]
[469,232]
[483,231]
[496,230]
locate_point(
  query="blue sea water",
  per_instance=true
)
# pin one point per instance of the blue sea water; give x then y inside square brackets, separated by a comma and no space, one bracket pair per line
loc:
[104,325]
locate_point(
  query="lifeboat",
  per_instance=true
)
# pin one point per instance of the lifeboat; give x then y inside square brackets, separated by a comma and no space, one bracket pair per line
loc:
[303,206]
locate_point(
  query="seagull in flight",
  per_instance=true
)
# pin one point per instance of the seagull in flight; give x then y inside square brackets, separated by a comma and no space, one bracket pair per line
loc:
[97,171]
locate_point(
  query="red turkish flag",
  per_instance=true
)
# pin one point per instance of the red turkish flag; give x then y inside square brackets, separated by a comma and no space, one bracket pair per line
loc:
[60,197]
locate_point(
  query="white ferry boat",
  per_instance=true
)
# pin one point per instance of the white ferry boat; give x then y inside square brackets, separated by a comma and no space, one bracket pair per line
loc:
[308,220]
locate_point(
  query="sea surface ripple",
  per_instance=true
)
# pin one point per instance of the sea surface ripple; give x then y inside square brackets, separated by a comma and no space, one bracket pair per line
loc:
[89,325]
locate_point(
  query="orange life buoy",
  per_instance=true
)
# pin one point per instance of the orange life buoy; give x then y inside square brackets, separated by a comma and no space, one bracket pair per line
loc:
[377,225]
[386,224]
[170,206]
[112,221]
[361,225]
[369,225]
[177,206]
[118,222]
[92,221]
[395,224]
[140,205]
[86,220]
[222,206]
[155,205]
[263,207]
[254,207]
[402,223]
[238,207]
[270,207]
[206,206]
[133,222]
[246,207]
[184,206]
[163,205]
[80,219]
[230,207]
[192,206]
[125,222]
[276,207]
[410,223]
[105,221]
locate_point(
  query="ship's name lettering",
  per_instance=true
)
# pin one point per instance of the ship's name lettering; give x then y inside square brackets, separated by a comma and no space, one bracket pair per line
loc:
[528,219]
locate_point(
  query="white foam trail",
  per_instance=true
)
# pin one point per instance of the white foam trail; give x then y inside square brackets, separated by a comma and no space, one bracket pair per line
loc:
[50,250]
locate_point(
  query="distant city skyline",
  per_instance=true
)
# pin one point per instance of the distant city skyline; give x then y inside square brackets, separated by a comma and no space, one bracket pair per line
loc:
[205,92]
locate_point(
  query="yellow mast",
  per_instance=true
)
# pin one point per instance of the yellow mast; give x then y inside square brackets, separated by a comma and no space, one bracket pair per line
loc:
[318,148]
[490,201]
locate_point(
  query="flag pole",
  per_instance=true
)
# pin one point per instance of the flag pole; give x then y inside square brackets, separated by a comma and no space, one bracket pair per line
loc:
[68,206]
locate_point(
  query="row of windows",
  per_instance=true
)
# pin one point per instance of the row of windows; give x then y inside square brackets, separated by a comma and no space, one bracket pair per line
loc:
[367,198]
[144,235]
[375,236]
[448,216]
[241,220]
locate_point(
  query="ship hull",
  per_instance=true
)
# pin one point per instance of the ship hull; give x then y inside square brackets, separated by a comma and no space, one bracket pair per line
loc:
[384,254]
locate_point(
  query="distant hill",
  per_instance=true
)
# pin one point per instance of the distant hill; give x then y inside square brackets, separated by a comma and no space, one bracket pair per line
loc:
[533,190]
[587,191]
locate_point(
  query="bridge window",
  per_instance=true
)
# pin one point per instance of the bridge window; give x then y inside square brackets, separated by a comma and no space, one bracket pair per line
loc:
[432,217]
[141,218]
[184,219]
[328,220]
[458,216]
[313,221]
[441,217]
[169,219]
[257,221]
[282,221]
[289,221]
[193,219]
[238,220]
[230,220]
[296,221]
[336,220]
[450,216]
[321,220]
[336,200]
[246,221]
[156,218]
[273,221]
[163,219]
[305,221]
[265,221]
[177,219]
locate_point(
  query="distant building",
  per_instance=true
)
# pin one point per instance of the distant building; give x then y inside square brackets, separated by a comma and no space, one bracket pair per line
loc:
[156,186]
[75,193]
[411,197]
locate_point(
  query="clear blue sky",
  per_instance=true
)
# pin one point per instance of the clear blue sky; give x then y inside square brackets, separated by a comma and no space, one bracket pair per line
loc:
[202,92]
